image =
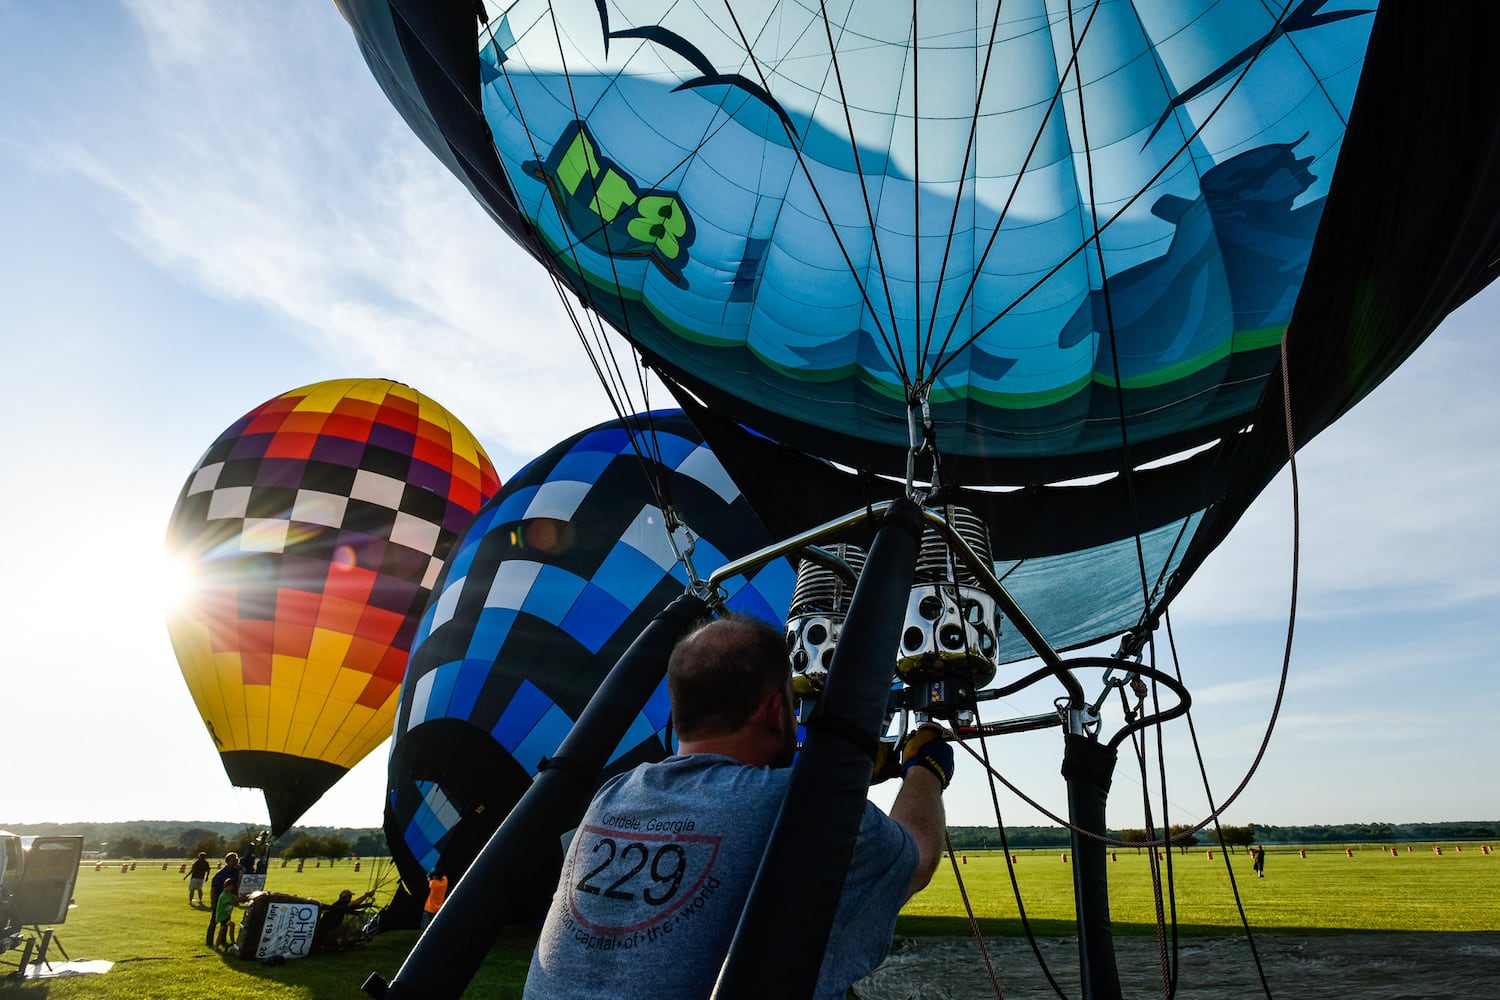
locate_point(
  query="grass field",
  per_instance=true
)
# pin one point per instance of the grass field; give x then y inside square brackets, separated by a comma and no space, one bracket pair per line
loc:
[1327,890]
[141,919]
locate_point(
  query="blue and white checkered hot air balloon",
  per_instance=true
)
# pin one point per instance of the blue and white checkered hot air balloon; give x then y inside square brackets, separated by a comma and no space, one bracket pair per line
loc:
[552,581]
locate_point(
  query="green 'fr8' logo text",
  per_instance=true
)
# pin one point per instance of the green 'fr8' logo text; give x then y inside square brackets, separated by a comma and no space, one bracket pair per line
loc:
[605,209]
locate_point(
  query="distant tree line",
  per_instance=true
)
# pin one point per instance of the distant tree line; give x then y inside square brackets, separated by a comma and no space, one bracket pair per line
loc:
[1182,836]
[987,838]
[146,839]
[307,847]
[1231,838]
[141,840]
[1376,833]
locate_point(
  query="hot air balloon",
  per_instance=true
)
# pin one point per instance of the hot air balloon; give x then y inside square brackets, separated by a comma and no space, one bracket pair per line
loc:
[1076,233]
[554,577]
[1075,278]
[315,527]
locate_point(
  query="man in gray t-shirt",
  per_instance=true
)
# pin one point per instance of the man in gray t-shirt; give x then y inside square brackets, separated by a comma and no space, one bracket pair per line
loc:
[657,874]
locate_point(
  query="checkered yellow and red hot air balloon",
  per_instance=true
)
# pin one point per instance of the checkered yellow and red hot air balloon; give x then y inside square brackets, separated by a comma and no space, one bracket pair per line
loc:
[315,528]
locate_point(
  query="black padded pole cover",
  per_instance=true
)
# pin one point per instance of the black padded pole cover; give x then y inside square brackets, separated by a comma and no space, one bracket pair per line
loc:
[1088,768]
[779,944]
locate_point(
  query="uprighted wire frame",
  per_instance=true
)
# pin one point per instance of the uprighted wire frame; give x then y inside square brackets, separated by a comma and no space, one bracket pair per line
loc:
[922,438]
[911,450]
[985,729]
[1110,681]
[684,553]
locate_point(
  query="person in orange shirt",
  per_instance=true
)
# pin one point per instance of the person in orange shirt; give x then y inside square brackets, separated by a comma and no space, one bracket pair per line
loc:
[437,891]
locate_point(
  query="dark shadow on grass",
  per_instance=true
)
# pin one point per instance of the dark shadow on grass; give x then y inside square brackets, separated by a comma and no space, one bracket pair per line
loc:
[342,972]
[1211,964]
[930,926]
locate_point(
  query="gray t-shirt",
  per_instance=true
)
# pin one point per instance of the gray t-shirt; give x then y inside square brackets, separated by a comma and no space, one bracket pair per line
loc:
[656,876]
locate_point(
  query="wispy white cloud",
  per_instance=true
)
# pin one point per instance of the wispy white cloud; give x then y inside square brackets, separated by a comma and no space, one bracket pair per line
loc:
[1376,727]
[371,248]
[1396,499]
[1235,692]
[1405,660]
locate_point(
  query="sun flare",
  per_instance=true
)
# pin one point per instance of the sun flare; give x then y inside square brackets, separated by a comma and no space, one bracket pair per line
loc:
[176,583]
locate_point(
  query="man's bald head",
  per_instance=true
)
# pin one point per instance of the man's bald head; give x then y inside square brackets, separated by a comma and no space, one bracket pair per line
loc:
[721,672]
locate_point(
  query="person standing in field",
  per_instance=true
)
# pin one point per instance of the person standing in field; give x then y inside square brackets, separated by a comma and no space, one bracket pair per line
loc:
[1259,862]
[196,876]
[230,872]
[224,912]
[437,891]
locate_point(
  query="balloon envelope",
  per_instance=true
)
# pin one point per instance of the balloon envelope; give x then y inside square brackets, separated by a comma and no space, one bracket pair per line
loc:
[554,578]
[1047,214]
[1086,229]
[315,528]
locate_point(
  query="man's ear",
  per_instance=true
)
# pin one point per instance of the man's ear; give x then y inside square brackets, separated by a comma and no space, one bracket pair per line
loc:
[770,710]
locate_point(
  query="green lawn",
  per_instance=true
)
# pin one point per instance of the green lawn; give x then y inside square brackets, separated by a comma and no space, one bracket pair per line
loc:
[141,919]
[1327,890]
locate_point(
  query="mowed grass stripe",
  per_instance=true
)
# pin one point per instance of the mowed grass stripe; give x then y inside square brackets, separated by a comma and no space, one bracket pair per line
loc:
[1326,890]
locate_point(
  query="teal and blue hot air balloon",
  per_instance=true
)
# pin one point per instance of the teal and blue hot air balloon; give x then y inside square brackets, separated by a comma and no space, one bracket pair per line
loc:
[1078,231]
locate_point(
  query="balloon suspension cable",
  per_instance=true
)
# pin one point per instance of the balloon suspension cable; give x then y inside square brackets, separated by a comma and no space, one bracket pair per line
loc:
[923,437]
[1086,723]
[684,550]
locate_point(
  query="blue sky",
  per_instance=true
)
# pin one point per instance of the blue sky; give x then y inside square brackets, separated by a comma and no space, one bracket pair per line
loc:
[207,205]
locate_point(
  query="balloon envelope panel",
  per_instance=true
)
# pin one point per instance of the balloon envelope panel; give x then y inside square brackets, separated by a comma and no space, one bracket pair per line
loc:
[315,527]
[555,577]
[804,217]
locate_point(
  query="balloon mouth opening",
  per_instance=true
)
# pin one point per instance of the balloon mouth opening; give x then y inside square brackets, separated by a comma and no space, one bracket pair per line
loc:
[291,784]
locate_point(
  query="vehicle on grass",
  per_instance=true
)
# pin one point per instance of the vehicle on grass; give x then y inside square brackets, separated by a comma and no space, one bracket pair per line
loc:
[37,875]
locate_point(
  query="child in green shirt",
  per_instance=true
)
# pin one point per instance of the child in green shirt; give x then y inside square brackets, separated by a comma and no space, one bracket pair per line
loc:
[224,913]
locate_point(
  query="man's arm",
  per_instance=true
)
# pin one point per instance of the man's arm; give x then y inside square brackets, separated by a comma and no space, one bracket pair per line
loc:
[919,810]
